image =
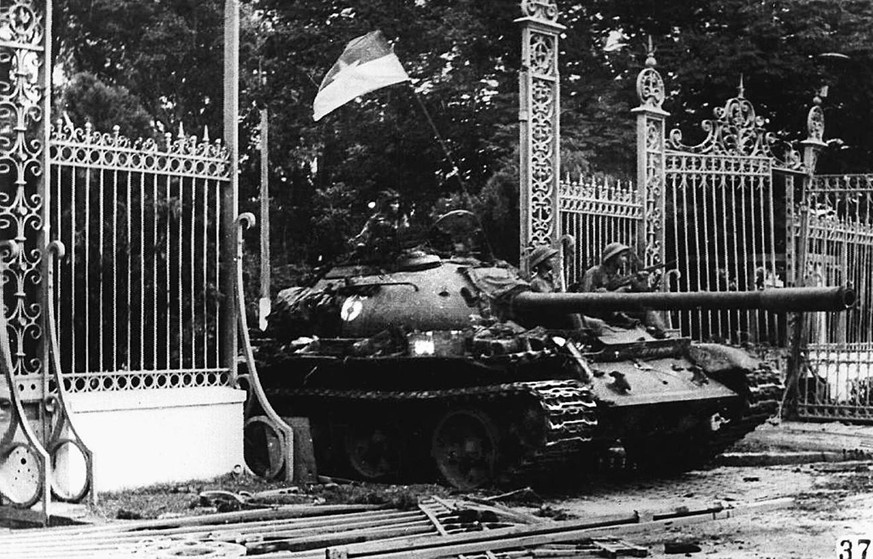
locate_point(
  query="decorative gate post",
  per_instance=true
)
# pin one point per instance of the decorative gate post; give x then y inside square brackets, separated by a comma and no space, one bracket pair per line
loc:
[798,247]
[651,119]
[812,146]
[24,77]
[539,117]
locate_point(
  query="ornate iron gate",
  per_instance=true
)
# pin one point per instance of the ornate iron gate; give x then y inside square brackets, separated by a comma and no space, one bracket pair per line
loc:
[139,295]
[37,439]
[838,245]
[717,208]
[146,291]
[594,212]
[23,130]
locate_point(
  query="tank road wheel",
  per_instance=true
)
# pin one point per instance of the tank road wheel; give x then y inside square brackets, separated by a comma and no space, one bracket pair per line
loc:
[465,448]
[374,451]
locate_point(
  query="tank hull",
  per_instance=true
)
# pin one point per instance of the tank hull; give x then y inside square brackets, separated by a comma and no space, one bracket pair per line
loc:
[393,418]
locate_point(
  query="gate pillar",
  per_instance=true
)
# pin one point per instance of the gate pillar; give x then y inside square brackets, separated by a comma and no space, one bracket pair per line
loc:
[797,249]
[539,118]
[651,121]
[38,446]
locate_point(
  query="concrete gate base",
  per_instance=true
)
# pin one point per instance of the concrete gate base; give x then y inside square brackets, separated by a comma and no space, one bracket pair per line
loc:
[144,437]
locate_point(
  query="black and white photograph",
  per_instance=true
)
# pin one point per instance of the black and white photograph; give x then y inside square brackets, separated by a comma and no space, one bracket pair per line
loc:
[436,279]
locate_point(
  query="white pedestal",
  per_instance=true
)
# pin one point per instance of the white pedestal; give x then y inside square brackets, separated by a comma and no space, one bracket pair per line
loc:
[144,437]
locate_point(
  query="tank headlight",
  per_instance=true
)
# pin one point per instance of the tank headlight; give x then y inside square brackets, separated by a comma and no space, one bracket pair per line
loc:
[422,344]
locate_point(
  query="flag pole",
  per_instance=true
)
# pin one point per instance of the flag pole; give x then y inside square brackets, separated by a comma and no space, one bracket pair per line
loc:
[455,171]
[436,132]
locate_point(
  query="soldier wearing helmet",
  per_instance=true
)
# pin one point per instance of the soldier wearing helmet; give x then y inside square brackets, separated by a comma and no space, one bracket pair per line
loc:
[607,275]
[379,237]
[599,277]
[541,264]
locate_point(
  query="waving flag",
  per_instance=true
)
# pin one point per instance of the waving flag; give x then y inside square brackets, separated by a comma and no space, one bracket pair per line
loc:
[368,63]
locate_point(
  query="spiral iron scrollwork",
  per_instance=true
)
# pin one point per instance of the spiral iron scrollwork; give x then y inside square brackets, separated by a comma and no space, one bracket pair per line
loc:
[22,63]
[737,131]
[543,54]
[650,88]
[540,9]
[543,135]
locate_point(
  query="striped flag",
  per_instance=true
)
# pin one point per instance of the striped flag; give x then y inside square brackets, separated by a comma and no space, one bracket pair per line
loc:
[367,64]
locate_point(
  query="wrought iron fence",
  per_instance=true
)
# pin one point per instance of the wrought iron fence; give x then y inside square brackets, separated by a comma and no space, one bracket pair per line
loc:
[595,211]
[839,250]
[720,228]
[138,302]
[716,209]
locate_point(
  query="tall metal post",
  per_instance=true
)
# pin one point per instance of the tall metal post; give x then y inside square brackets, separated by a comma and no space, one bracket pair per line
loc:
[45,191]
[264,303]
[539,118]
[651,120]
[812,146]
[44,238]
[229,201]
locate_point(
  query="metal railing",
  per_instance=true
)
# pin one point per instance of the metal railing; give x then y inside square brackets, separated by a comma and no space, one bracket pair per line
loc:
[839,250]
[139,296]
[595,211]
[721,231]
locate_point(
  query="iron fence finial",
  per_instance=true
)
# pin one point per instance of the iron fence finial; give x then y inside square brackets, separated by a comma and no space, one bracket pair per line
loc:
[650,54]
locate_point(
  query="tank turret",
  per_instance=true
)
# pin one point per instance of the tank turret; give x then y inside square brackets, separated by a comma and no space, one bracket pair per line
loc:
[424,292]
[444,366]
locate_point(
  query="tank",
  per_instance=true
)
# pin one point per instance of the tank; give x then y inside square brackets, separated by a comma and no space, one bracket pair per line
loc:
[441,366]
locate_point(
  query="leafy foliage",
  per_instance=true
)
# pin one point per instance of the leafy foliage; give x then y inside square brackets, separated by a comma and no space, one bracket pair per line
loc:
[463,56]
[86,98]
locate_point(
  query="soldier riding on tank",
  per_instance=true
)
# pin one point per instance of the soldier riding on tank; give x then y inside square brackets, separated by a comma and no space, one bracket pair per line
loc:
[380,237]
[608,276]
[541,263]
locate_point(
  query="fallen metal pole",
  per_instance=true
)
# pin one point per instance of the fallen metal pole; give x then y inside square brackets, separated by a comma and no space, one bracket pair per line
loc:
[510,538]
[283,512]
[216,532]
[266,548]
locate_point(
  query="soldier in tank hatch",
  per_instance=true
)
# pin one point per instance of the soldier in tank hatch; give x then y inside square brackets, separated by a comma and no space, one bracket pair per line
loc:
[379,237]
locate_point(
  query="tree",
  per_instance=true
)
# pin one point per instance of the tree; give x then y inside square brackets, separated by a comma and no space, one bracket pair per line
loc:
[87,99]
[168,52]
[463,56]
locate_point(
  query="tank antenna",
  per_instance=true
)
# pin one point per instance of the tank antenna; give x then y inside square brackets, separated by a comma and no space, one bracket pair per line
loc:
[446,151]
[455,171]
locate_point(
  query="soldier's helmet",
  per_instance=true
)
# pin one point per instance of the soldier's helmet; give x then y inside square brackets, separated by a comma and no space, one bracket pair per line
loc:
[612,250]
[540,254]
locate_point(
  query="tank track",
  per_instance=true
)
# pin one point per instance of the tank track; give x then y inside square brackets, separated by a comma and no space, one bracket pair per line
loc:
[570,412]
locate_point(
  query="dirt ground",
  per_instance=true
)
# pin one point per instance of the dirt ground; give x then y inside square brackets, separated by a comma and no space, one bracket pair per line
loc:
[826,502]
[829,501]
[821,503]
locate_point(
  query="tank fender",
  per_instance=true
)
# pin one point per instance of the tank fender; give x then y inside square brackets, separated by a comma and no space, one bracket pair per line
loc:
[717,359]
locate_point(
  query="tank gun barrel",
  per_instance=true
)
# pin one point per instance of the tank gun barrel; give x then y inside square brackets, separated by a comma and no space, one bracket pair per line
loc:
[787,299]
